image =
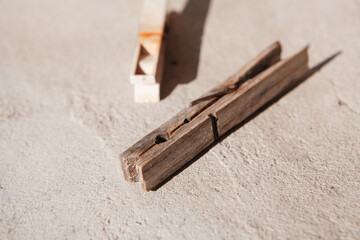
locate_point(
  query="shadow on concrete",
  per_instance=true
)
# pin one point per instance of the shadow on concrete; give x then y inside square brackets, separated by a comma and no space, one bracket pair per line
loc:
[182,52]
[311,72]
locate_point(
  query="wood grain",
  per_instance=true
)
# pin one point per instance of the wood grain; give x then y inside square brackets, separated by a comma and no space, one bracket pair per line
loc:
[162,152]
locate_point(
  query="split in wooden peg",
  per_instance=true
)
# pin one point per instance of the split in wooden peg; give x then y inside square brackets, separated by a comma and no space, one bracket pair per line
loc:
[168,148]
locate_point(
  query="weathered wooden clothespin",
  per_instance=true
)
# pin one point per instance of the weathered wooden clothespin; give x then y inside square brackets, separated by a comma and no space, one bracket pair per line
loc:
[149,56]
[166,149]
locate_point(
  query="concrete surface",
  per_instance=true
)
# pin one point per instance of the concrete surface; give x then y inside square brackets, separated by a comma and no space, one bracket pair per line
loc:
[66,112]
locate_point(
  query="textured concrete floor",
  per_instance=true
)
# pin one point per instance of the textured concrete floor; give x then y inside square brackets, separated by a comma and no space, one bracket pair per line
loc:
[66,112]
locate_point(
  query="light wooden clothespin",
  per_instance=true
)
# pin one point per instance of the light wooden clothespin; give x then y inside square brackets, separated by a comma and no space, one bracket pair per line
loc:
[149,56]
[166,149]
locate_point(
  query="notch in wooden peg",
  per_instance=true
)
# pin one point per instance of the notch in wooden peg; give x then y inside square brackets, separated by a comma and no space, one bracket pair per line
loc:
[154,158]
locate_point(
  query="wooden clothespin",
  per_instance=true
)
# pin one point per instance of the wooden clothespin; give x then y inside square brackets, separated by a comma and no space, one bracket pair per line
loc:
[149,56]
[166,149]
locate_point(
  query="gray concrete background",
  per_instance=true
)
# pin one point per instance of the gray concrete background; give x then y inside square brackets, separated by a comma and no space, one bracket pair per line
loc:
[66,112]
